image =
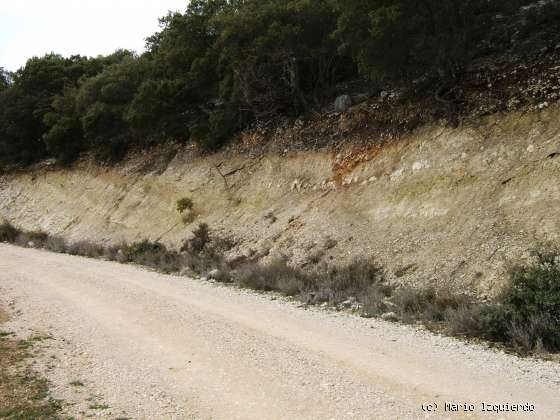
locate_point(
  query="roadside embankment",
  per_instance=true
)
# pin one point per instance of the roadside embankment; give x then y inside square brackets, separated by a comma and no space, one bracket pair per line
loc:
[443,206]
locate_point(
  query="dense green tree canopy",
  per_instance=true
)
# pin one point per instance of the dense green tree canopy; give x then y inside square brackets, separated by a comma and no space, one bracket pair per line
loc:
[24,105]
[396,38]
[223,64]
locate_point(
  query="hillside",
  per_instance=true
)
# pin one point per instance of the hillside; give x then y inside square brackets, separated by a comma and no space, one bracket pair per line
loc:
[441,206]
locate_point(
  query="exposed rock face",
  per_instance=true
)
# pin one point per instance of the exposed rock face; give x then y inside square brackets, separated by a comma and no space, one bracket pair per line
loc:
[456,205]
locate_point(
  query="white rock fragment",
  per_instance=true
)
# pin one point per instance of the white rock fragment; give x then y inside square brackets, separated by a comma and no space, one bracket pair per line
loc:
[419,165]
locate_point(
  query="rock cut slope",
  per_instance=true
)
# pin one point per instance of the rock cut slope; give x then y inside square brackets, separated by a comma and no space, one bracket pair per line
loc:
[442,206]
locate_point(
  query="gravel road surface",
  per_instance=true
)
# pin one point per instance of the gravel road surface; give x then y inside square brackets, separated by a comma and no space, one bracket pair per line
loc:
[151,346]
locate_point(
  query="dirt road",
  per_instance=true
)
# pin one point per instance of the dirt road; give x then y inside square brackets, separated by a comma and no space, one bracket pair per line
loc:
[154,346]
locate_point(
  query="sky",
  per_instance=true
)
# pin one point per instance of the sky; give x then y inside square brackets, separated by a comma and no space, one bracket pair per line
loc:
[87,27]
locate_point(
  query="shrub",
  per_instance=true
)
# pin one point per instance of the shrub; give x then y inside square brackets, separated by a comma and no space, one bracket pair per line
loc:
[199,241]
[188,217]
[254,277]
[210,258]
[115,253]
[336,284]
[55,244]
[375,300]
[428,305]
[221,275]
[275,276]
[85,249]
[37,236]
[138,249]
[185,208]
[36,239]
[8,233]
[151,254]
[527,312]
[466,320]
[328,284]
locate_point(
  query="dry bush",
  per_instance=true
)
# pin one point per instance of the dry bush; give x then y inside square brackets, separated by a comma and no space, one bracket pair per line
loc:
[428,305]
[201,238]
[151,254]
[33,239]
[466,320]
[55,244]
[85,249]
[532,334]
[374,300]
[8,233]
[275,276]
[336,284]
[328,284]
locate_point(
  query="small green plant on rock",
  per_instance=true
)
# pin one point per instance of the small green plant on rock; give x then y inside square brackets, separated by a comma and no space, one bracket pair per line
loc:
[184,204]
[185,208]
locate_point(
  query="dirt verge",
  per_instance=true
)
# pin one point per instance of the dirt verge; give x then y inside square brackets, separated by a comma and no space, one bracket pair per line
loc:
[23,394]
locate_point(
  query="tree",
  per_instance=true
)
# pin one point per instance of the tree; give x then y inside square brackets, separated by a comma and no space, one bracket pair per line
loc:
[31,106]
[407,38]
[65,138]
[20,130]
[155,110]
[102,103]
[5,79]
[24,104]
[279,54]
[181,90]
[222,64]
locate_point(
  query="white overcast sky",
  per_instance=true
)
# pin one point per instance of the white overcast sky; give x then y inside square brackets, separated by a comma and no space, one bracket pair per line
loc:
[87,27]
